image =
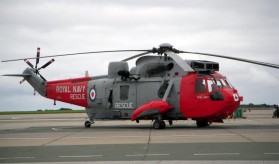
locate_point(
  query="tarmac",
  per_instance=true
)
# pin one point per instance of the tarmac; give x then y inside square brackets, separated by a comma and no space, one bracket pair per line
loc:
[62,138]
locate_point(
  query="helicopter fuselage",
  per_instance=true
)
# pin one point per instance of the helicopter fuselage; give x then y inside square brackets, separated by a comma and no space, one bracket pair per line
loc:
[163,87]
[199,95]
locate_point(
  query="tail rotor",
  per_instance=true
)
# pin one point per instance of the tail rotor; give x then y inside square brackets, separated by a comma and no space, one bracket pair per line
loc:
[36,69]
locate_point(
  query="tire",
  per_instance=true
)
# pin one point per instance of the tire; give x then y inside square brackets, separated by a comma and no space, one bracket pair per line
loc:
[87,124]
[159,124]
[156,124]
[162,124]
[201,124]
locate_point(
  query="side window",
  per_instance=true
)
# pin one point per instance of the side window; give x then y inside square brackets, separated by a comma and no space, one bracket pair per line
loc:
[200,86]
[124,92]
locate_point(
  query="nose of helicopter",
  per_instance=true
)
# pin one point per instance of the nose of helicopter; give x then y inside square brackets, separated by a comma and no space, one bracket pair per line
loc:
[232,95]
[231,102]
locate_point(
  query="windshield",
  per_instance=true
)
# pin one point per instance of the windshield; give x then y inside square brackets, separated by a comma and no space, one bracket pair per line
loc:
[212,83]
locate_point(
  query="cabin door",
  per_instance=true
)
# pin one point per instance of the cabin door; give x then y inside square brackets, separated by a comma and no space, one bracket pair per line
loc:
[124,99]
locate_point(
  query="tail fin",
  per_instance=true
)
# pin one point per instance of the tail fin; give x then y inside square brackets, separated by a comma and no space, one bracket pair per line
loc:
[86,74]
[35,81]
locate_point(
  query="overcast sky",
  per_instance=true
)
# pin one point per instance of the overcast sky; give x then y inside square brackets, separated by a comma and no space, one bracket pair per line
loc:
[246,29]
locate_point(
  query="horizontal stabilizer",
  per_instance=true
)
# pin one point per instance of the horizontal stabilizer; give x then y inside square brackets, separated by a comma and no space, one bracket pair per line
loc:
[17,75]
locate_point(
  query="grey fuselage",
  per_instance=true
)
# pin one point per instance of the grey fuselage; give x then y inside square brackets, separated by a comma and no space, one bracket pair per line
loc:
[117,97]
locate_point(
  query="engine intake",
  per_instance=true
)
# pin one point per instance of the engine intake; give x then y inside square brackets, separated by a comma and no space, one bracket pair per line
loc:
[204,66]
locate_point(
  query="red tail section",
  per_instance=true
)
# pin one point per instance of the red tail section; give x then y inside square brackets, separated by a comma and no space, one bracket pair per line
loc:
[73,91]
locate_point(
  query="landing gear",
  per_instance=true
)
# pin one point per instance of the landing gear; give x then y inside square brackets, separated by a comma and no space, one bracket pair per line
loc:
[202,123]
[88,123]
[170,122]
[159,124]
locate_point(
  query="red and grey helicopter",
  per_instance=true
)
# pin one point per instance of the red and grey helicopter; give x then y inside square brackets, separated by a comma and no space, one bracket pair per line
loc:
[161,87]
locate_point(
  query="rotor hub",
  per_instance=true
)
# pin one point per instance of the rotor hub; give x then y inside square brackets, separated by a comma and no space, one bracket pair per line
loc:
[165,45]
[163,48]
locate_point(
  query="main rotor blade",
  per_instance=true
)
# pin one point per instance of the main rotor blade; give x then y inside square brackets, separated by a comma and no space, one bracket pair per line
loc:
[180,61]
[47,64]
[234,58]
[135,56]
[72,54]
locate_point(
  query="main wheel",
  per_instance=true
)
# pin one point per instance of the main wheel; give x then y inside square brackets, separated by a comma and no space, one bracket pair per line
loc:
[156,124]
[159,124]
[162,124]
[87,124]
[201,124]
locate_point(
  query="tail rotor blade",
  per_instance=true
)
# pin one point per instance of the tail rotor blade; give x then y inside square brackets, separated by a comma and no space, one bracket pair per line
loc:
[21,81]
[27,62]
[47,64]
[41,76]
[38,57]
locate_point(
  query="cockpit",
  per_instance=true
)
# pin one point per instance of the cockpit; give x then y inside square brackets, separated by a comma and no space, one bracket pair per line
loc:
[207,84]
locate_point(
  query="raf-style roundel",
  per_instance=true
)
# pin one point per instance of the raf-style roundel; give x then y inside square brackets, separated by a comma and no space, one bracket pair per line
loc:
[235,96]
[92,93]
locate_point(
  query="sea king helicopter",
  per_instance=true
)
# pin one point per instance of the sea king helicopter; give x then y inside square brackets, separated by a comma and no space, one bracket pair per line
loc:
[161,87]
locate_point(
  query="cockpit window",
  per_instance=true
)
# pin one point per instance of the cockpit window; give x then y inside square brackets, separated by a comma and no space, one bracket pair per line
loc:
[200,86]
[222,83]
[228,84]
[219,83]
[210,84]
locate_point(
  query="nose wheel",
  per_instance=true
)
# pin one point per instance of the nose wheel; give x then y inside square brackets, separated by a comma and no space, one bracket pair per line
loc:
[159,124]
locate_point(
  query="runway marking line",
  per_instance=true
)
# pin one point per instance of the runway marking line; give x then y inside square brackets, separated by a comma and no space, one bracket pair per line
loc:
[194,135]
[107,137]
[4,158]
[141,155]
[79,156]
[271,153]
[216,154]
[26,138]
[24,157]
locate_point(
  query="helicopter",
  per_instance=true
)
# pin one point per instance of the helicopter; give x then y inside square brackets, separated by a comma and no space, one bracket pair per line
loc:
[161,87]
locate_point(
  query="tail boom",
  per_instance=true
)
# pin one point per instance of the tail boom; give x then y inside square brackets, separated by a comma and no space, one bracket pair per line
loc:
[73,91]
